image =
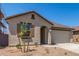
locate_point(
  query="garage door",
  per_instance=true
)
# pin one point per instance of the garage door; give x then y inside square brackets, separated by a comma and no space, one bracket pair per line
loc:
[60,36]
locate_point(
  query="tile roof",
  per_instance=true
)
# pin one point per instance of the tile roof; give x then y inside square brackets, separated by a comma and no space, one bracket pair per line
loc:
[76,28]
[59,25]
[53,23]
[28,13]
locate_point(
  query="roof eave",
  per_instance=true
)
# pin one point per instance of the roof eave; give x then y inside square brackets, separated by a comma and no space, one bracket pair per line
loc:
[61,28]
[27,13]
[2,25]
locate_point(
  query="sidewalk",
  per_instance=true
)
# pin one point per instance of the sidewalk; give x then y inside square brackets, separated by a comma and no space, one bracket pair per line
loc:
[68,46]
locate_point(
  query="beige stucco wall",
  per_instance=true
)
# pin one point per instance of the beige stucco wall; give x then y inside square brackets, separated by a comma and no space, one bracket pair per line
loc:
[61,36]
[55,36]
[38,22]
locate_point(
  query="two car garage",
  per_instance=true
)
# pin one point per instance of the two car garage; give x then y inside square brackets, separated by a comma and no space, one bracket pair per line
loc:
[59,36]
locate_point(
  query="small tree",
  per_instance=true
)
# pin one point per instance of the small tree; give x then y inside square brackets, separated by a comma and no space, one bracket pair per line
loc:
[24,34]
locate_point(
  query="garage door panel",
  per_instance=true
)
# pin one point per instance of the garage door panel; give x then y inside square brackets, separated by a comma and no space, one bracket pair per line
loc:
[61,36]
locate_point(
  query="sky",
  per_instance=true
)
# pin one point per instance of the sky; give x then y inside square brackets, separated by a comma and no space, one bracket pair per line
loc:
[63,13]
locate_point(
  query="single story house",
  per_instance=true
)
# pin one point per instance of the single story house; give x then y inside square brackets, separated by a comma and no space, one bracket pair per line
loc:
[43,31]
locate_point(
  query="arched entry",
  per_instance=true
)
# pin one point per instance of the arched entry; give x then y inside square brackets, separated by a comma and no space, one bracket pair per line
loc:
[44,35]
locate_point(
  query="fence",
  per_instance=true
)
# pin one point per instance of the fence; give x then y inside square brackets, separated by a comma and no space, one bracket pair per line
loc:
[3,39]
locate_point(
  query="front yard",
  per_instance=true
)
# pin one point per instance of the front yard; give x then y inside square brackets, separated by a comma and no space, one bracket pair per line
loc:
[37,51]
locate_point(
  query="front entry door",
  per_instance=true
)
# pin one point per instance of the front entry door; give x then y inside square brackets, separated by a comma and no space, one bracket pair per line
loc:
[43,35]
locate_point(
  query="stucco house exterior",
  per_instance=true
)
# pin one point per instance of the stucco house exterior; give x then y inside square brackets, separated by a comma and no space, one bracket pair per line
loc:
[43,31]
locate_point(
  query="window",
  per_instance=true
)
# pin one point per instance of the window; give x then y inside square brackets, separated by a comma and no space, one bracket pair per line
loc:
[29,25]
[14,27]
[33,16]
[19,27]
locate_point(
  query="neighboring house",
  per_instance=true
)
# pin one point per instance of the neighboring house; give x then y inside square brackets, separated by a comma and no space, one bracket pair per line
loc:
[76,30]
[3,37]
[1,24]
[43,31]
[76,34]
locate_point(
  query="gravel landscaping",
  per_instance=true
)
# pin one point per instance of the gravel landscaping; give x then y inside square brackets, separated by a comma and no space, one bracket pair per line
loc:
[37,51]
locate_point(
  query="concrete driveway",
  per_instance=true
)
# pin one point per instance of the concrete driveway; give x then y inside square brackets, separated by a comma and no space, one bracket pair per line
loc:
[68,46]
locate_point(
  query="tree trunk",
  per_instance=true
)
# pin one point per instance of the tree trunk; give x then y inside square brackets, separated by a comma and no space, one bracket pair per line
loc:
[24,47]
[27,46]
[20,44]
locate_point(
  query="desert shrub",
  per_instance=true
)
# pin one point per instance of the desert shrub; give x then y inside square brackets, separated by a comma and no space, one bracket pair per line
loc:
[54,43]
[18,46]
[47,51]
[55,47]
[36,44]
[65,53]
[1,46]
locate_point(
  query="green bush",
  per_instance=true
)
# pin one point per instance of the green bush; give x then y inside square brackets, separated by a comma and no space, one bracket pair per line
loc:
[18,46]
[1,46]
[36,44]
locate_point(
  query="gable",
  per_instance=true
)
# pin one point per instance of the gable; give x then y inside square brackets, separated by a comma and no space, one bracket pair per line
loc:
[39,20]
[31,12]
